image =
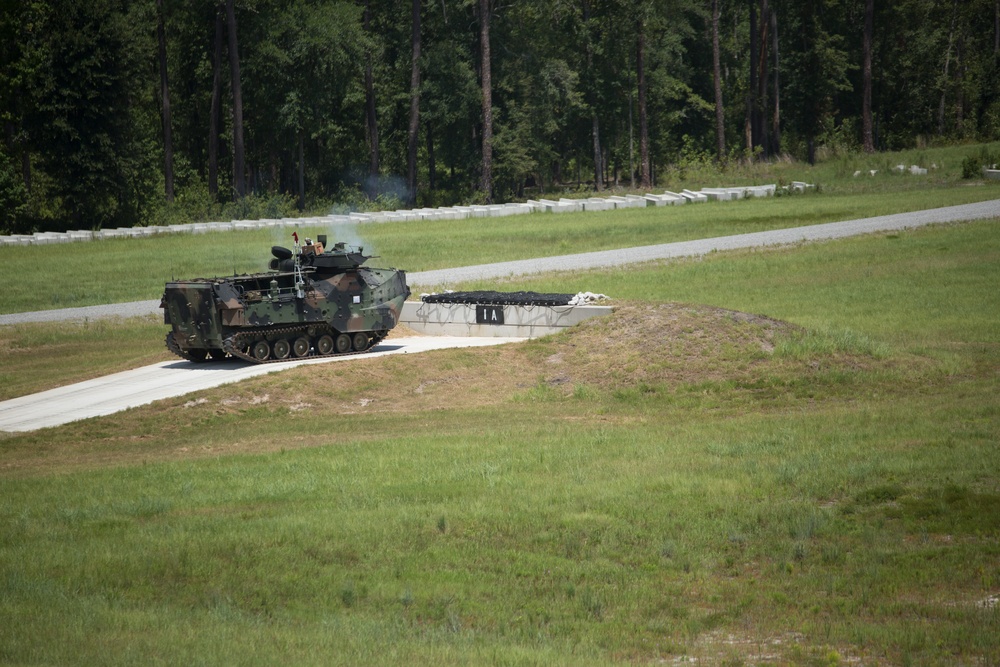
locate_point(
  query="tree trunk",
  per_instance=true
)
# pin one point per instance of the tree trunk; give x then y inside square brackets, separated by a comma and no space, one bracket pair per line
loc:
[26,169]
[215,110]
[947,62]
[411,172]
[598,156]
[867,136]
[168,145]
[302,173]
[631,134]
[371,120]
[592,95]
[960,76]
[753,132]
[431,162]
[640,75]
[720,111]
[486,184]
[762,130]
[239,167]
[776,116]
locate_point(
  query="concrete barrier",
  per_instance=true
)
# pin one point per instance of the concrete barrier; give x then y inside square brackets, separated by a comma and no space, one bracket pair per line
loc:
[459,319]
[564,205]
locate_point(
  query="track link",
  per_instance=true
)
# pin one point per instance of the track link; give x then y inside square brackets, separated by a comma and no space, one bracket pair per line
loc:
[184,354]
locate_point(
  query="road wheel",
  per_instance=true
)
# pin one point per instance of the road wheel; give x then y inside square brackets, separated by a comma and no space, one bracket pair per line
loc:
[324,345]
[282,348]
[301,347]
[360,341]
[261,351]
[343,343]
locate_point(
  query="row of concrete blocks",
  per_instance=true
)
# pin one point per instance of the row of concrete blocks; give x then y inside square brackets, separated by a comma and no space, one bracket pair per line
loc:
[667,198]
[450,213]
[445,213]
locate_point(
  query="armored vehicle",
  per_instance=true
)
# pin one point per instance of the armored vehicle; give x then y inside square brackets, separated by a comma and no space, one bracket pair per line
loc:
[313,302]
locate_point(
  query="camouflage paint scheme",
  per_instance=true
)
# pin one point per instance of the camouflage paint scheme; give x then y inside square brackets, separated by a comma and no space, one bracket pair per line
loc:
[221,317]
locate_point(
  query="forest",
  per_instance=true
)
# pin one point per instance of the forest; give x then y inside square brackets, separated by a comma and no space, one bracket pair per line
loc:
[138,112]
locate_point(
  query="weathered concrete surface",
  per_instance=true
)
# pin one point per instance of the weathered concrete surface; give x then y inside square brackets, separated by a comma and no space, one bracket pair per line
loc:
[458,319]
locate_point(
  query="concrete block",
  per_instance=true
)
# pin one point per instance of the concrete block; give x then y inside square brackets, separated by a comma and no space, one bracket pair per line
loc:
[718,194]
[518,209]
[694,197]
[598,204]
[799,186]
[917,171]
[572,204]
[556,207]
[992,174]
[674,198]
[452,214]
[761,190]
[47,238]
[628,201]
[453,319]
[428,214]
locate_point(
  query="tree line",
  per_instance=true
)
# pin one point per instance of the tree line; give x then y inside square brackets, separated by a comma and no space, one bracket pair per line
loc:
[127,112]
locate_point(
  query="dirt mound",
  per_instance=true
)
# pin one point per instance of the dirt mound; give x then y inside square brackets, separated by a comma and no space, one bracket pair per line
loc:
[665,344]
[661,345]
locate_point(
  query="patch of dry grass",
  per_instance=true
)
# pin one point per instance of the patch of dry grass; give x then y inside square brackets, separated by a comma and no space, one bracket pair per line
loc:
[669,348]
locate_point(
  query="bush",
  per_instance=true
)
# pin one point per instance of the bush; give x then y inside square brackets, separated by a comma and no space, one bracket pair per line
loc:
[972,166]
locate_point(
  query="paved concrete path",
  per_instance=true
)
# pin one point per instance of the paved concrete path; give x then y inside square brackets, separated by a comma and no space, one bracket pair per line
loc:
[129,389]
[600,259]
[610,258]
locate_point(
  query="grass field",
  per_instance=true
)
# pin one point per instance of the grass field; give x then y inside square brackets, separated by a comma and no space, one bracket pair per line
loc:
[810,477]
[785,456]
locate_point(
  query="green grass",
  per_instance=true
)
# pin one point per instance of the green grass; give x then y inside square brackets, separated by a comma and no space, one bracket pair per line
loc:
[834,502]
[35,357]
[121,270]
[907,288]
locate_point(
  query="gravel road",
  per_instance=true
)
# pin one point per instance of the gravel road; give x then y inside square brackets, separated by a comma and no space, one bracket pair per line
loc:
[600,259]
